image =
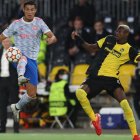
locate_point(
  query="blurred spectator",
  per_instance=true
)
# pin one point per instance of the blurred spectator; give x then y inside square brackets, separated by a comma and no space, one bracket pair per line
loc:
[8,87]
[75,51]
[18,11]
[136,95]
[59,92]
[99,31]
[84,10]
[137,37]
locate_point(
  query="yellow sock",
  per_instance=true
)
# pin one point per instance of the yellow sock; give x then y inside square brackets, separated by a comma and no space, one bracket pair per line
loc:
[129,116]
[82,97]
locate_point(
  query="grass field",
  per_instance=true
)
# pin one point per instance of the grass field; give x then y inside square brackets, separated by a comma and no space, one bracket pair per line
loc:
[60,136]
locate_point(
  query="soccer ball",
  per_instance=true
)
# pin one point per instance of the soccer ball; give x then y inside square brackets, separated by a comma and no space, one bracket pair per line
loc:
[13,54]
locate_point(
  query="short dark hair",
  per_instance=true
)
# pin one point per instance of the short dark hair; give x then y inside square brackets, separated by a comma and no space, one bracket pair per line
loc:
[30,3]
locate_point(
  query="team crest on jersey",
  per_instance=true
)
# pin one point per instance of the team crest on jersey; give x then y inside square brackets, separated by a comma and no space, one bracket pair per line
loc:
[34,27]
[122,49]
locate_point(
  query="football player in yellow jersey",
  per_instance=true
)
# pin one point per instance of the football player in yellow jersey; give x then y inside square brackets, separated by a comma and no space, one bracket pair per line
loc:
[112,51]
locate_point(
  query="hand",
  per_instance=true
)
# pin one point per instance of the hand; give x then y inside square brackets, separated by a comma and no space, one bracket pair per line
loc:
[73,34]
[6,43]
[51,40]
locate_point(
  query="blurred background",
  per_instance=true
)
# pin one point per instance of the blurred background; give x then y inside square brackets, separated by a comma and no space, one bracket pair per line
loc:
[92,19]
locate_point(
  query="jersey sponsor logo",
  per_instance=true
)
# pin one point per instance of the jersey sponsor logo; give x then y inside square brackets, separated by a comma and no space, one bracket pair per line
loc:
[25,36]
[114,52]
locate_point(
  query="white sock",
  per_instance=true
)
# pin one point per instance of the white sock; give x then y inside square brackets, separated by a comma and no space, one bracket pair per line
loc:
[23,101]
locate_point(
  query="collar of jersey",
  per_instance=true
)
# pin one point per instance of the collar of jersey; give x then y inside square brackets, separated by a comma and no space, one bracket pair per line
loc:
[27,22]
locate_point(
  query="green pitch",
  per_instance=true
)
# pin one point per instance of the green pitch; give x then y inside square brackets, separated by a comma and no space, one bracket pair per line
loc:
[61,136]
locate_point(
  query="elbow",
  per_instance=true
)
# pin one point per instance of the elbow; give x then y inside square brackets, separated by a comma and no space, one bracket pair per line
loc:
[54,40]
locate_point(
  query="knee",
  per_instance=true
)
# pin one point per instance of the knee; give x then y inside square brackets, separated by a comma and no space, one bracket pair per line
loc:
[80,94]
[23,58]
[32,95]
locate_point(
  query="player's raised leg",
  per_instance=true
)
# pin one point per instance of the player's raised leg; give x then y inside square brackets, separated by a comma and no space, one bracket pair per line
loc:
[120,96]
[31,73]
[21,68]
[81,95]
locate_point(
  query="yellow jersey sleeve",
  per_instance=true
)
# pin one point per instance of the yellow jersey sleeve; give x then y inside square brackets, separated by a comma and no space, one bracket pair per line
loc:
[100,42]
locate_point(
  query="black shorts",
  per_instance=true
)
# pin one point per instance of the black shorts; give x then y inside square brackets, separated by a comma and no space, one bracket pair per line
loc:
[99,83]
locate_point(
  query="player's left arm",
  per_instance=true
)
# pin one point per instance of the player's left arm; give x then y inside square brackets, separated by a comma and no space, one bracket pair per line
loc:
[51,38]
[2,37]
[45,29]
[134,55]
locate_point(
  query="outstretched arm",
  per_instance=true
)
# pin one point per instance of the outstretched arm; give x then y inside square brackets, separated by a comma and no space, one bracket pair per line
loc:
[91,48]
[50,38]
[2,37]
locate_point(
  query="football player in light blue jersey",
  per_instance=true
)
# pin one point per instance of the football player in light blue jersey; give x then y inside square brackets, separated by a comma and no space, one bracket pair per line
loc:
[27,32]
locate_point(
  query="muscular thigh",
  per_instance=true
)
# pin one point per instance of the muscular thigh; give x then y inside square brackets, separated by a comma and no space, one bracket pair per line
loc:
[114,88]
[92,86]
[31,89]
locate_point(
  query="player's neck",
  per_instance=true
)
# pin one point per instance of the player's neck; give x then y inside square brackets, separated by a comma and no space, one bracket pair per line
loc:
[27,20]
[122,41]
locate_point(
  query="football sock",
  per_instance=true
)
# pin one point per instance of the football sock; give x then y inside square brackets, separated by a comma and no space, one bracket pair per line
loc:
[23,101]
[129,116]
[82,97]
[21,66]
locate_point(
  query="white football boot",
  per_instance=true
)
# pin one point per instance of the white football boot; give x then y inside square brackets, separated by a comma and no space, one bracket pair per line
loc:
[15,112]
[22,80]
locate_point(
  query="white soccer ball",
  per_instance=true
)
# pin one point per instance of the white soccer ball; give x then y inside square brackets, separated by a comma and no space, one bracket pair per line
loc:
[13,54]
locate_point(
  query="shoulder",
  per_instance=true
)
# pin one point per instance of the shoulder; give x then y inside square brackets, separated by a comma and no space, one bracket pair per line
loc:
[111,37]
[17,21]
[128,46]
[38,19]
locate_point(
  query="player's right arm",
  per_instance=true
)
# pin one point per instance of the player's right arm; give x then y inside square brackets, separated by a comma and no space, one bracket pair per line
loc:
[8,32]
[2,37]
[91,48]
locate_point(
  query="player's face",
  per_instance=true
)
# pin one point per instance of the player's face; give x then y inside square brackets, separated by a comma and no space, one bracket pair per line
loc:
[29,12]
[120,33]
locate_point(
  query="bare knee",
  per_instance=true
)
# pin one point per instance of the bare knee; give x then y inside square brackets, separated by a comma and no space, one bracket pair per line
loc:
[119,95]
[23,58]
[31,90]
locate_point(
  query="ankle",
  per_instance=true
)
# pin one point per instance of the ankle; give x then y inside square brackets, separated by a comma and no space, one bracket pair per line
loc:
[19,75]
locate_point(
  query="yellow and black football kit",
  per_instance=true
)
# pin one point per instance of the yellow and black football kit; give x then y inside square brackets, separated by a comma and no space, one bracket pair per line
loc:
[103,75]
[103,72]
[111,56]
